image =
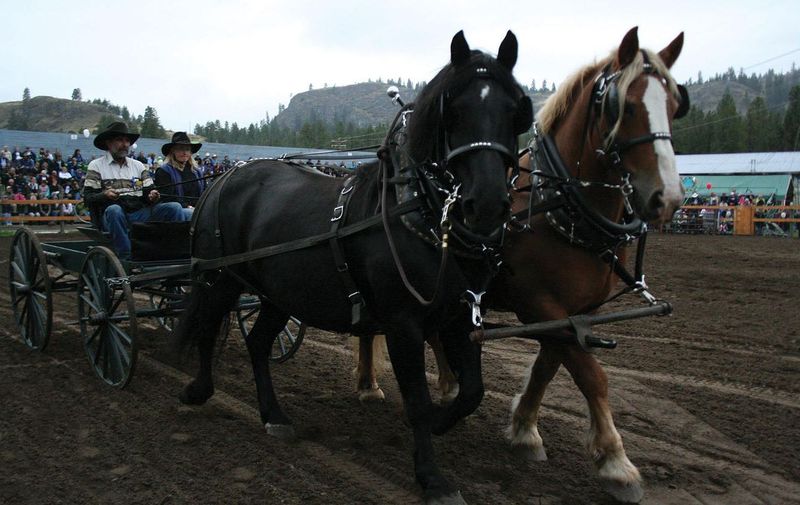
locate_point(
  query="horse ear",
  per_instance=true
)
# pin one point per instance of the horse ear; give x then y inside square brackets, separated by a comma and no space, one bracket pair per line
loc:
[459,49]
[507,54]
[628,47]
[670,53]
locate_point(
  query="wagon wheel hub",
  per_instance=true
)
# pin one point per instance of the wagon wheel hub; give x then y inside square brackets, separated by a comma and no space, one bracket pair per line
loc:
[99,318]
[23,289]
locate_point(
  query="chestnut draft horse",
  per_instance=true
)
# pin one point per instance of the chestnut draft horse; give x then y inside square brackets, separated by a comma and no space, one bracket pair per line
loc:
[603,163]
[449,180]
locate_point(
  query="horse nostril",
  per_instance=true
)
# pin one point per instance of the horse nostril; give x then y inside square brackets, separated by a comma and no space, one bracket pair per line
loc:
[657,200]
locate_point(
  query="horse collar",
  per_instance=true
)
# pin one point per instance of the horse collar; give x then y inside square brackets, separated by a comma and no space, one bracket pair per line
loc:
[575,219]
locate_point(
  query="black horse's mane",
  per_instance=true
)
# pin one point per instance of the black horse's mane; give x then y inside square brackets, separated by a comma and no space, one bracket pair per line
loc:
[425,120]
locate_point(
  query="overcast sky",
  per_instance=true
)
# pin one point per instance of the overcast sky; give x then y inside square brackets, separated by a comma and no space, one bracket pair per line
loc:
[236,60]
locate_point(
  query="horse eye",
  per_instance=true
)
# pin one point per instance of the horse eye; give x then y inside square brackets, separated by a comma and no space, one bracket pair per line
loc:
[629,109]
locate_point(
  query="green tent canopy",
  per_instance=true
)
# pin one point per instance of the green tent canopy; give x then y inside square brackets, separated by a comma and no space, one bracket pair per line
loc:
[764,185]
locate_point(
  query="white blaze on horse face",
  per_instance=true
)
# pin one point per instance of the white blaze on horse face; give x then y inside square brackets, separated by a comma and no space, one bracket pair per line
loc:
[485,92]
[655,101]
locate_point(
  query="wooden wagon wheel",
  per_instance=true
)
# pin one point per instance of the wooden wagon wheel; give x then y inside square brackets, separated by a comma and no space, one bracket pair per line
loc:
[30,288]
[170,296]
[288,340]
[107,315]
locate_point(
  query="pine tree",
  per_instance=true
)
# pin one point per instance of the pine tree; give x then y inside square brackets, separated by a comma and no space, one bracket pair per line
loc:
[26,95]
[728,132]
[791,121]
[757,126]
[76,94]
[151,126]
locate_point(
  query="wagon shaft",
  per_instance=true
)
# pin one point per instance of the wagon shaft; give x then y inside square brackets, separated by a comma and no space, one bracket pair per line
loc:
[546,329]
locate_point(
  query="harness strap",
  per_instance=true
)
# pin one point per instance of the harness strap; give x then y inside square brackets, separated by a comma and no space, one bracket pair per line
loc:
[479,145]
[201,265]
[544,206]
[339,213]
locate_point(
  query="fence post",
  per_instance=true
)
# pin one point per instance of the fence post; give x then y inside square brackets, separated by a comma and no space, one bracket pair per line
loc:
[743,220]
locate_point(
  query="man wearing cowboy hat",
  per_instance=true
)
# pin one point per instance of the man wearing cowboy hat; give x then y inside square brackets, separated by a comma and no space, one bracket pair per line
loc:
[178,175]
[122,187]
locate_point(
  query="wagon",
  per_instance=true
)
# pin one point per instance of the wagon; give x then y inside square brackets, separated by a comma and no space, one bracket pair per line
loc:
[111,295]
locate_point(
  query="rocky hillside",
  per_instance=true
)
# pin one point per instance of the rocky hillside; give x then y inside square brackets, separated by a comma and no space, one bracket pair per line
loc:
[362,104]
[49,114]
[366,104]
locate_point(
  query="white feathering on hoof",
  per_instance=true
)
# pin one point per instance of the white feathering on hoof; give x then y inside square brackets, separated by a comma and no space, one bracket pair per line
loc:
[621,479]
[525,439]
[373,395]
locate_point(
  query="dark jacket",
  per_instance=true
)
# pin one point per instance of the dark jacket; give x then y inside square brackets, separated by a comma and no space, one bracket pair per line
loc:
[182,186]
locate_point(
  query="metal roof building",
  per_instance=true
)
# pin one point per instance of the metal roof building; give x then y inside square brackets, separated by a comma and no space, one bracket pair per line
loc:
[764,174]
[739,163]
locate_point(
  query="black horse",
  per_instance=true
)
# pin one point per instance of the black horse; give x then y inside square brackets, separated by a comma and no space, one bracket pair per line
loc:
[459,140]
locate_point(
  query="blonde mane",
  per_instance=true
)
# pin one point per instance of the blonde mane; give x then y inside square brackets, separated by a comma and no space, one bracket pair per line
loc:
[556,107]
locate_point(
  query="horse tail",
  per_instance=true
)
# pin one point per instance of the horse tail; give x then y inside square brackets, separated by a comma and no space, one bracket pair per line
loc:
[206,306]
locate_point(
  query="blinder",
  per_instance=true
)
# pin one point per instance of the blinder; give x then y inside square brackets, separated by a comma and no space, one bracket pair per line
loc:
[523,117]
[683,107]
[606,91]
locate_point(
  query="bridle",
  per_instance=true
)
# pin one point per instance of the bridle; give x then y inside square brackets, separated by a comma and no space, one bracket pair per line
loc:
[432,180]
[605,98]
[556,193]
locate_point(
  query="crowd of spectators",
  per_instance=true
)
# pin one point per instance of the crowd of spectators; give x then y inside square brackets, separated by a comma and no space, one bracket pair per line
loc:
[27,174]
[715,213]
[44,175]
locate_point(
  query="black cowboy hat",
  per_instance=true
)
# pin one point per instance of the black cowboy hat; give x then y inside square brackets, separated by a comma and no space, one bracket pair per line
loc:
[180,138]
[115,129]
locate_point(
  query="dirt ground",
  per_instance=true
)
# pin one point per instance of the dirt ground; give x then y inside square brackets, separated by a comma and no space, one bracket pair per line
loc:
[706,401]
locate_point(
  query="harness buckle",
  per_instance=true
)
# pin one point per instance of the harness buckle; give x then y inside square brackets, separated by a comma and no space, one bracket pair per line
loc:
[474,301]
[338,212]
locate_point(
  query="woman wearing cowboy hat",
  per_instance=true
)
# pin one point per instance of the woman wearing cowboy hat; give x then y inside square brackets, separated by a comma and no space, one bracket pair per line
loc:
[178,175]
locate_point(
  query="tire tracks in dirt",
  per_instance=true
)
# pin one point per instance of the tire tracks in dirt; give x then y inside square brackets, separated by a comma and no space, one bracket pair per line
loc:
[385,490]
[725,458]
[768,395]
[716,451]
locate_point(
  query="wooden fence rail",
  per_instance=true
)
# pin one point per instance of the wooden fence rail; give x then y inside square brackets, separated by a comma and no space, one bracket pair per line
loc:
[22,218]
[743,220]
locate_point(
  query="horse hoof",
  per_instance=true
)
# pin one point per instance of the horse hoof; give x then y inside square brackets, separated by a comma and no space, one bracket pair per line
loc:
[451,499]
[625,492]
[450,396]
[529,453]
[190,397]
[371,395]
[281,431]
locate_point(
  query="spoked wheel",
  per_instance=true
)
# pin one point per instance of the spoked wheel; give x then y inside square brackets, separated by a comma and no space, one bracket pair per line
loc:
[173,295]
[30,288]
[107,315]
[288,340]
